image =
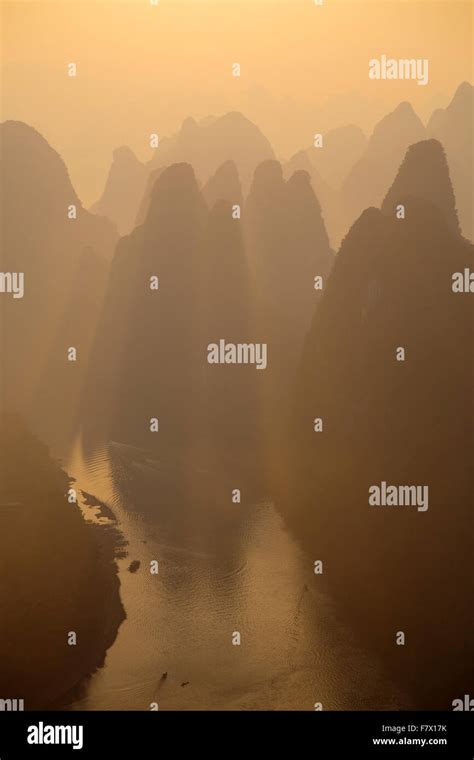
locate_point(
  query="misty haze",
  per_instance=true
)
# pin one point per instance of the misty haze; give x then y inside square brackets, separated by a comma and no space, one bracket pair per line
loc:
[236,469]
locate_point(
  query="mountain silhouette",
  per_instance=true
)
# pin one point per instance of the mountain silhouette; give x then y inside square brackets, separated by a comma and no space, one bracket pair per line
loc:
[43,241]
[147,360]
[288,248]
[454,127]
[145,201]
[209,144]
[124,189]
[228,311]
[223,185]
[150,353]
[327,196]
[366,183]
[425,174]
[402,422]
[61,384]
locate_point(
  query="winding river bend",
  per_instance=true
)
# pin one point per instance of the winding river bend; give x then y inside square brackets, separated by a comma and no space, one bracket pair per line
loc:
[220,571]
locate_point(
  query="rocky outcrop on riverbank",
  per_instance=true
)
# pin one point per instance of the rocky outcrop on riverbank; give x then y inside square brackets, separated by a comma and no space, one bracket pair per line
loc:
[60,607]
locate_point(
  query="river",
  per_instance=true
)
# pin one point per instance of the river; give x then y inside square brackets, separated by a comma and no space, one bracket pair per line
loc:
[221,571]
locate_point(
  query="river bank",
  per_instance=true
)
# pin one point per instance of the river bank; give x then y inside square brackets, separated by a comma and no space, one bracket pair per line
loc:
[60,605]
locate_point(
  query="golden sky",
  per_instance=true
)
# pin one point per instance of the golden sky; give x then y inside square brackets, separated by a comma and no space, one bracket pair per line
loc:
[144,68]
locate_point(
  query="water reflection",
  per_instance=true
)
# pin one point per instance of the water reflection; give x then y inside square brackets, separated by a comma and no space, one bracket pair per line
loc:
[223,567]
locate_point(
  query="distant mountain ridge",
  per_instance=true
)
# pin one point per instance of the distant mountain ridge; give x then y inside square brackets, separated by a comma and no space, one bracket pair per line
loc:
[367,181]
[349,173]
[206,145]
[454,128]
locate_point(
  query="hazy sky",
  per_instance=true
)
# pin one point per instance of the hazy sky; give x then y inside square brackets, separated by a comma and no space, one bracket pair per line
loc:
[144,68]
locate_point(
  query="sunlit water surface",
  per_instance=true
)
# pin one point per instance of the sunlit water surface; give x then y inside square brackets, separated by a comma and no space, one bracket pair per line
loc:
[221,570]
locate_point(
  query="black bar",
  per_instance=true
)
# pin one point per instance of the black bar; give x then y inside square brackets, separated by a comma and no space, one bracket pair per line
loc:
[322,735]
